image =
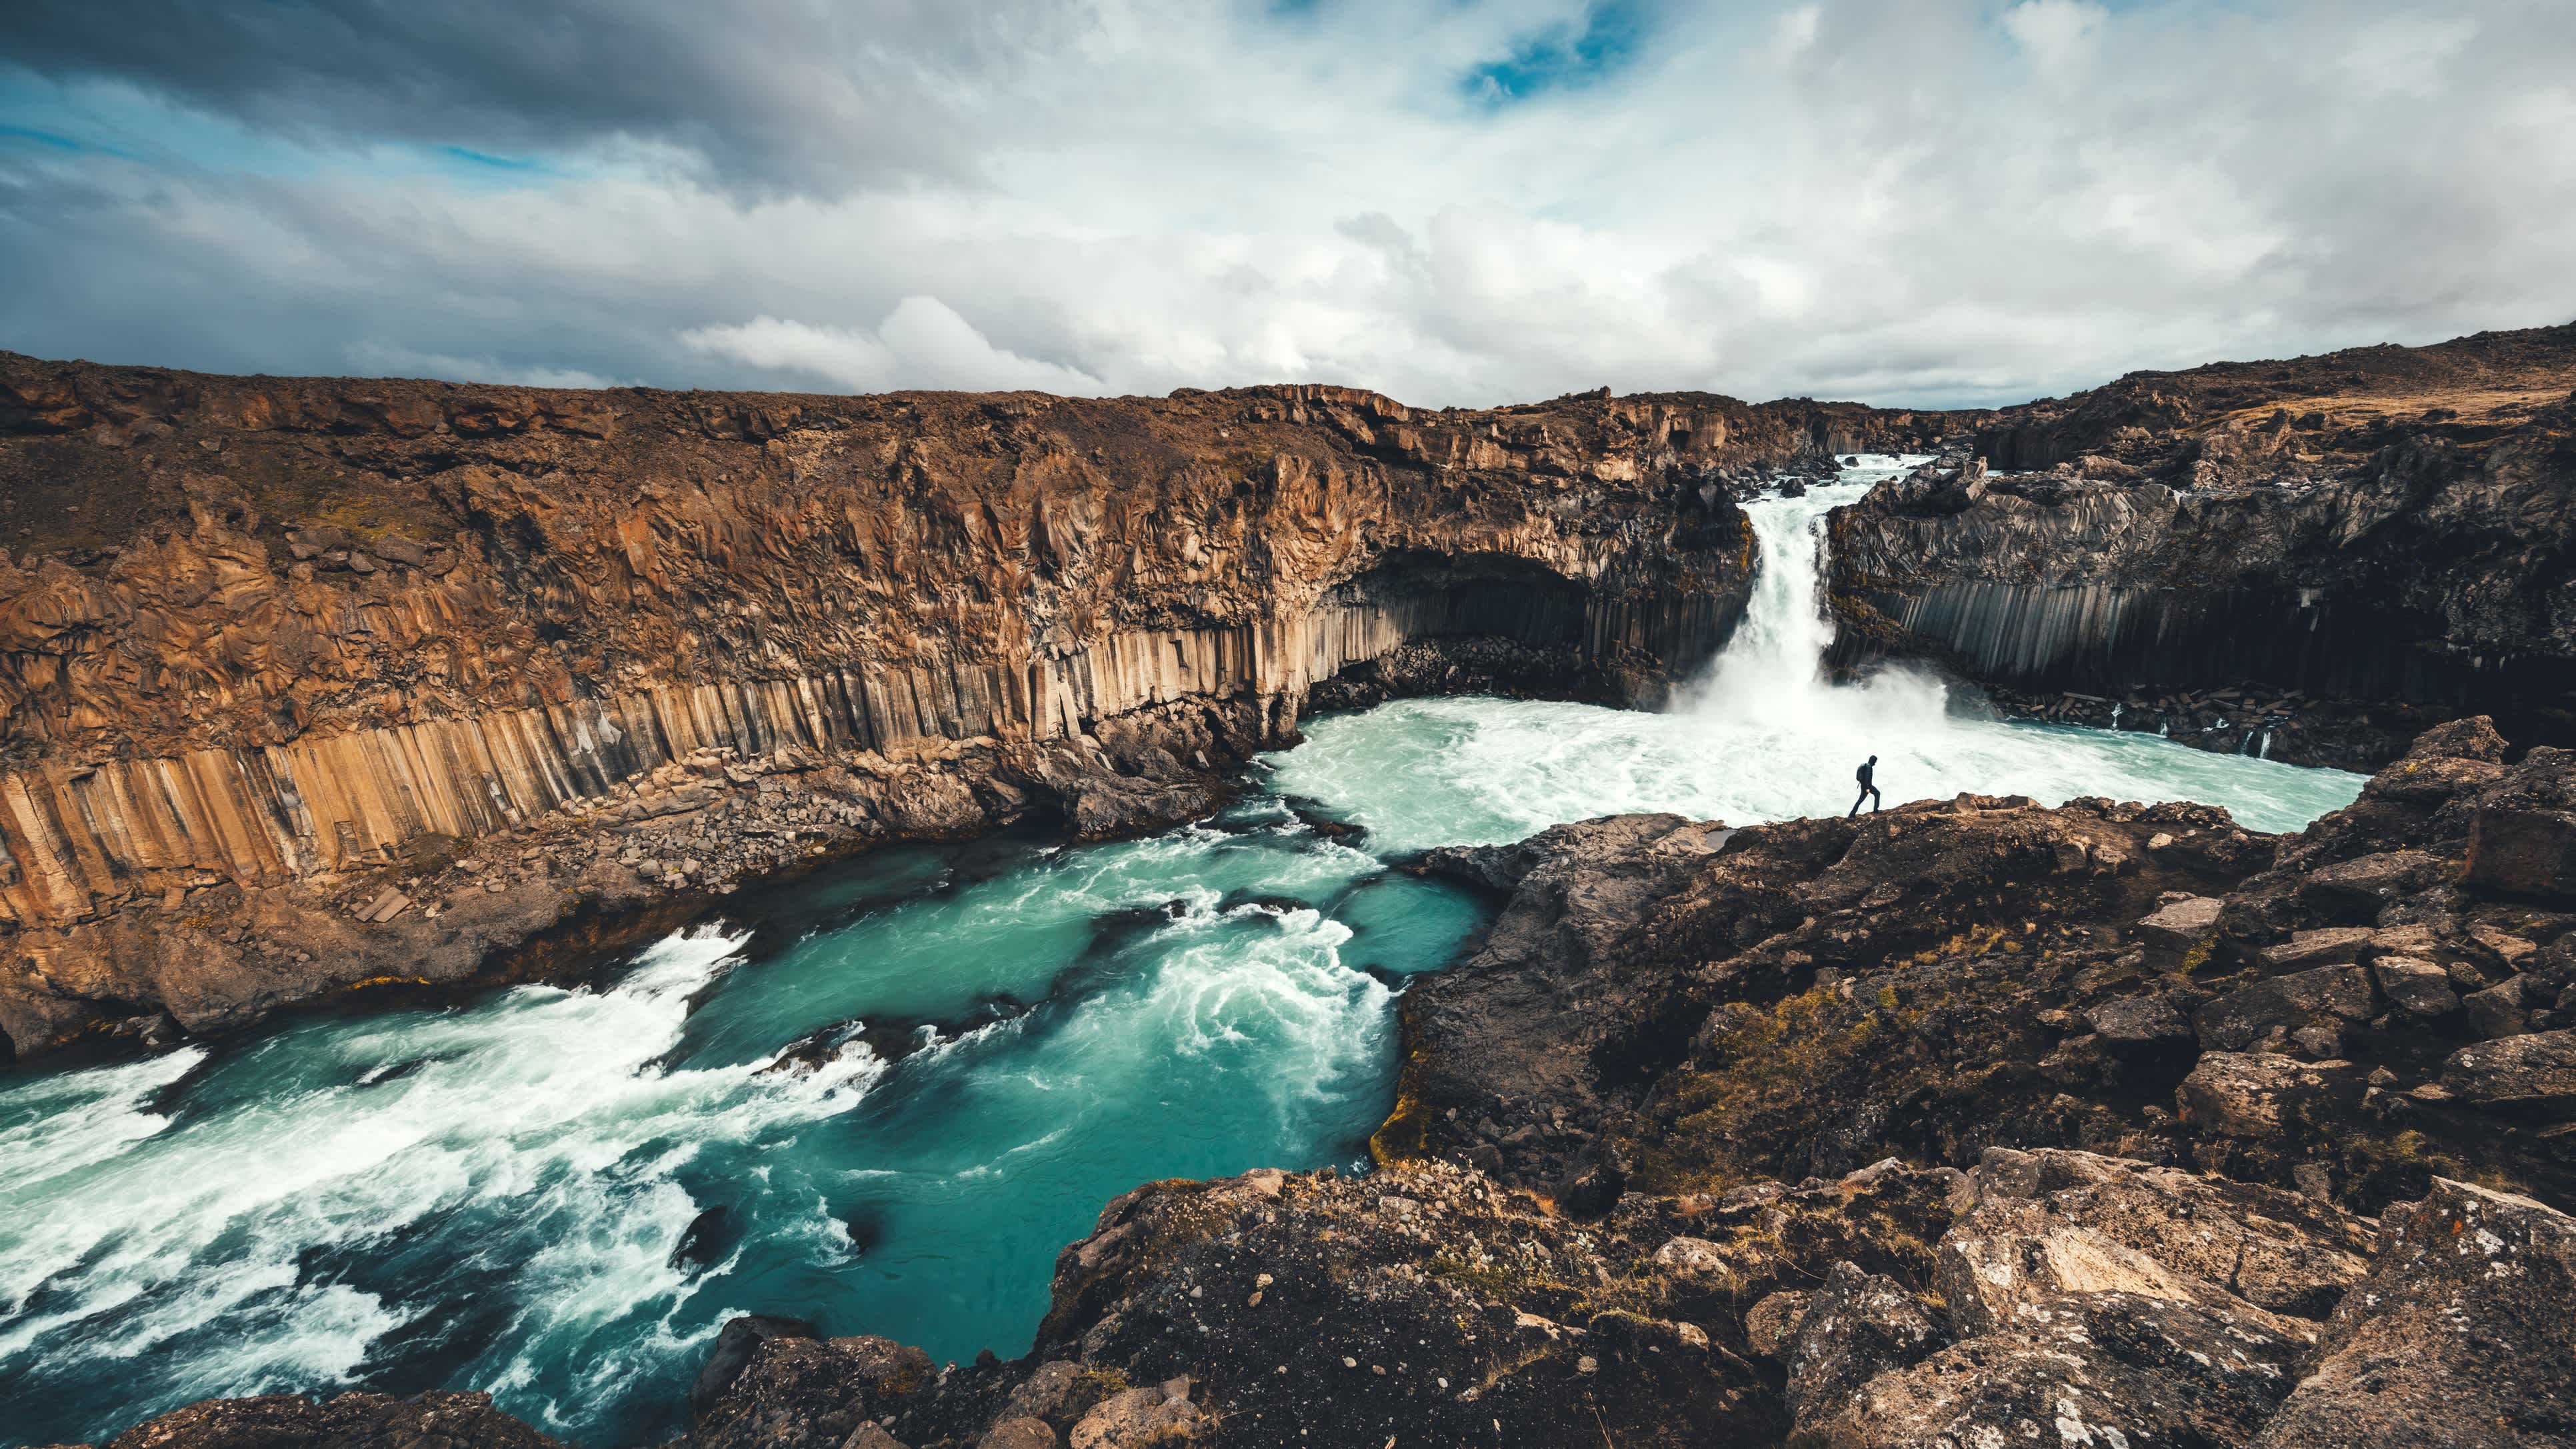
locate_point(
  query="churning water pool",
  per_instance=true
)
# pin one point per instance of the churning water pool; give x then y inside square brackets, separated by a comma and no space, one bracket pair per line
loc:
[883,1096]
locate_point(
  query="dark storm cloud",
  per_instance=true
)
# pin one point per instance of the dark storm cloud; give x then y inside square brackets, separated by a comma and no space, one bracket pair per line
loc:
[763,94]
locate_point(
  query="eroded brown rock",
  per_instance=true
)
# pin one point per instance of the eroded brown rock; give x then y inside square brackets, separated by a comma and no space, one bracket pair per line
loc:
[2461,1334]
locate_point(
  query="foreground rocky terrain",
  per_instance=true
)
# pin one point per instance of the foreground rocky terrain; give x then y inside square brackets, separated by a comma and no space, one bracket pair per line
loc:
[313,685]
[1972,1123]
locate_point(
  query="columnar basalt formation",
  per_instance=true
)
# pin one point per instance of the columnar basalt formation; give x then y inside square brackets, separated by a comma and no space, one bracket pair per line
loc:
[2387,526]
[281,660]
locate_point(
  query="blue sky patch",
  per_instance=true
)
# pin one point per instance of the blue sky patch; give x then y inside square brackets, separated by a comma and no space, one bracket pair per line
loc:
[1562,57]
[483,158]
[42,138]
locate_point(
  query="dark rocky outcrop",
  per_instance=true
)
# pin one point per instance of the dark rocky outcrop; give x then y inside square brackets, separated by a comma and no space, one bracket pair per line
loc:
[350,1421]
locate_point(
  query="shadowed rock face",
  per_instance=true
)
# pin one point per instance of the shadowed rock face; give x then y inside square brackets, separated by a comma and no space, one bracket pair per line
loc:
[2389,527]
[274,655]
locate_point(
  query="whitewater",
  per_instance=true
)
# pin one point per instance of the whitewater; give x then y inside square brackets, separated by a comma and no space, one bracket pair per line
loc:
[884,1096]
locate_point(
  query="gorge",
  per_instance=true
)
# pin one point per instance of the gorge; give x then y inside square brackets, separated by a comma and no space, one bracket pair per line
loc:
[275,654]
[888,1094]
[254,770]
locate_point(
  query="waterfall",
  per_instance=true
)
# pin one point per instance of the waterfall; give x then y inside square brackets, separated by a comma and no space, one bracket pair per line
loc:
[1768,674]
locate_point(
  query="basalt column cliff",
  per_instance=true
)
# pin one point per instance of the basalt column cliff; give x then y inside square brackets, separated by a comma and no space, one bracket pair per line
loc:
[2322,555]
[314,683]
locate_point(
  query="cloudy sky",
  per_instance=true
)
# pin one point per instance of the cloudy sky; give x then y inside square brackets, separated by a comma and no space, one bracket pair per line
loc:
[1456,201]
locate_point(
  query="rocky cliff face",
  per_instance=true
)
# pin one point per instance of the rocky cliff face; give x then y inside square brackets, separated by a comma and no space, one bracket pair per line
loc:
[316,683]
[2388,527]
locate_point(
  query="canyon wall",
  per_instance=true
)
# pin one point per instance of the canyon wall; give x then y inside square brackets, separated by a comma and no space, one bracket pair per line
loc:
[2387,526]
[275,655]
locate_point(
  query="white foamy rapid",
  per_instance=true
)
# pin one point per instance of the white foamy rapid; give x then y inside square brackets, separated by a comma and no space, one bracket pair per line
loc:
[210,1247]
[1763,736]
[497,1196]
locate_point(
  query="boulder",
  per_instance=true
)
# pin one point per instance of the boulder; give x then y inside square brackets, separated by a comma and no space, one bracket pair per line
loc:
[735,1344]
[2459,1337]
[2533,1069]
[2149,1370]
[2249,1095]
[2181,924]
[2496,1012]
[2416,987]
[2523,852]
[2327,996]
[2276,1249]
[2354,890]
[2431,781]
[1043,1394]
[1023,1433]
[1856,1327]
[1771,1325]
[2333,945]
[1136,1418]
[2133,1021]
[2096,1299]
[795,1392]
[2474,738]
[1693,1260]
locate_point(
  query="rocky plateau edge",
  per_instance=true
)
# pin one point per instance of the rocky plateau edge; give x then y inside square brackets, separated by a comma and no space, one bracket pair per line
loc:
[2320,556]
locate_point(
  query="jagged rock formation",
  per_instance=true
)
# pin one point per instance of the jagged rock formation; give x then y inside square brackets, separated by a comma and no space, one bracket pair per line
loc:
[276,655]
[2046,1296]
[2386,526]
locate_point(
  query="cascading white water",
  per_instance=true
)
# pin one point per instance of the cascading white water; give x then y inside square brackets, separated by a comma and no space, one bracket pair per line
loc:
[1762,736]
[1768,676]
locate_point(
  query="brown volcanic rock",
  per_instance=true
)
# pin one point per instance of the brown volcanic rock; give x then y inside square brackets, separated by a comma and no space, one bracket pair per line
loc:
[271,649]
[350,1421]
[2086,1294]
[1810,997]
[1582,1230]
[2461,1335]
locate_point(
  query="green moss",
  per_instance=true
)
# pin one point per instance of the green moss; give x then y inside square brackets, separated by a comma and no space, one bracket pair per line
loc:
[1771,1062]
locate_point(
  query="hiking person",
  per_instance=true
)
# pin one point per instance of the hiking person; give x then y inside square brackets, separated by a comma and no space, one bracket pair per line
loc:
[1868,791]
